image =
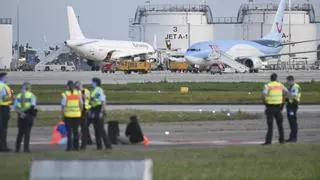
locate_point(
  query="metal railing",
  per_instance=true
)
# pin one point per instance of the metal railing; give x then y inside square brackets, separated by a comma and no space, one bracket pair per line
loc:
[245,8]
[5,21]
[225,20]
[143,10]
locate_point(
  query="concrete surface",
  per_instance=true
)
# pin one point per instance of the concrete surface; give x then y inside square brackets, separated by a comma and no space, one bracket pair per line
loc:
[120,78]
[195,134]
[193,108]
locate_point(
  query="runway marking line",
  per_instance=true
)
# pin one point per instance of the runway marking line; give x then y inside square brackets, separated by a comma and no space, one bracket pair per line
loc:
[172,142]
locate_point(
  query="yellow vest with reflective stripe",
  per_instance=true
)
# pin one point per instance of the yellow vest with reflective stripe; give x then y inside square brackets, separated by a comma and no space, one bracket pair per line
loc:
[87,99]
[27,103]
[298,96]
[275,93]
[72,108]
[95,98]
[6,101]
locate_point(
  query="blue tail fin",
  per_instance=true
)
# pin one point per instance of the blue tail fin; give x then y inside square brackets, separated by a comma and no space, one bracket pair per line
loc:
[277,26]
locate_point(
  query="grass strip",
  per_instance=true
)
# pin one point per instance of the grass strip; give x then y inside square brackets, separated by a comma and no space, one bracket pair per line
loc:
[168,93]
[168,97]
[193,86]
[232,162]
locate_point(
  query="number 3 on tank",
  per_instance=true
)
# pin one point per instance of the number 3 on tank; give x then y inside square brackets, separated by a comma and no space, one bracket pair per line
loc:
[175,29]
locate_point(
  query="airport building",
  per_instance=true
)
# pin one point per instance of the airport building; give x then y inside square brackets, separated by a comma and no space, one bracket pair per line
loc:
[5,43]
[255,20]
[182,25]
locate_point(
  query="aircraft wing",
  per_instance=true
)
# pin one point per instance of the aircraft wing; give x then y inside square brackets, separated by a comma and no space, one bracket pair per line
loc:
[299,42]
[121,54]
[288,54]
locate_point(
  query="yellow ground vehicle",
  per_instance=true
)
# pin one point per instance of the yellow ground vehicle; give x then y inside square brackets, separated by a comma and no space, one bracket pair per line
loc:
[175,66]
[128,67]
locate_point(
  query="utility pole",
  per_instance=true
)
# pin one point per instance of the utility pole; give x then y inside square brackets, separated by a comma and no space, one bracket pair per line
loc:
[290,35]
[188,24]
[18,36]
[18,24]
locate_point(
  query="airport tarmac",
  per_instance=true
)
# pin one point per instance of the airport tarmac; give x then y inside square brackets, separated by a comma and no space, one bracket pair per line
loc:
[120,78]
[193,108]
[194,134]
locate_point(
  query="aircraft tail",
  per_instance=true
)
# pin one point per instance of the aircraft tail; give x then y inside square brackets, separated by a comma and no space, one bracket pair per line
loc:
[277,26]
[74,28]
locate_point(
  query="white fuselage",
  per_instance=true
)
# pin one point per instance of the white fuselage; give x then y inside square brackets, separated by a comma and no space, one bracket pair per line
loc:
[95,49]
[207,53]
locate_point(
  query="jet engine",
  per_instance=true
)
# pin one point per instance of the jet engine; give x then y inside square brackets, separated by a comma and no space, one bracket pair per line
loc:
[254,63]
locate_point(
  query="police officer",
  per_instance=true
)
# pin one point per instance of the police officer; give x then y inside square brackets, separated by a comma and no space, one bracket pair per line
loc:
[98,100]
[273,99]
[24,104]
[72,106]
[85,120]
[6,97]
[292,104]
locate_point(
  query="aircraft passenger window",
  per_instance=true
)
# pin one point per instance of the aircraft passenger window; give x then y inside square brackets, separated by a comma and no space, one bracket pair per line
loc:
[194,50]
[267,43]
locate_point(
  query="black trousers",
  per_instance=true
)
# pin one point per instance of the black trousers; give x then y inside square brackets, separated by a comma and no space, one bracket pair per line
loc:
[4,119]
[292,109]
[274,111]
[99,130]
[72,126]
[85,132]
[24,130]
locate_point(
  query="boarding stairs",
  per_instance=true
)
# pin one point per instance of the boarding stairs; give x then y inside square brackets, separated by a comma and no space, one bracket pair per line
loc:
[54,55]
[230,61]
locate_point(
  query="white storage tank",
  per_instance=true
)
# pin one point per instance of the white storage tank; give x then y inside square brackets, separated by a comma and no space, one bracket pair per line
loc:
[183,25]
[5,43]
[256,21]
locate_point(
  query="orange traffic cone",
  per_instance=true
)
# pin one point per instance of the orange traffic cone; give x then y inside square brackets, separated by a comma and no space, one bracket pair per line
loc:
[55,138]
[145,140]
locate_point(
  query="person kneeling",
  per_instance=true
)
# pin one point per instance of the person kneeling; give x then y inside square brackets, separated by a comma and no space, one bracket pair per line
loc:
[133,132]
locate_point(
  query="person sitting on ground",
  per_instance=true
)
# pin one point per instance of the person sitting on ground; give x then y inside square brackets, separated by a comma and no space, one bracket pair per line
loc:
[133,132]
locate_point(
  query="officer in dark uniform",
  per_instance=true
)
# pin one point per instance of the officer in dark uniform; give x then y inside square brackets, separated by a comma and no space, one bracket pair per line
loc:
[98,100]
[273,99]
[71,108]
[85,132]
[24,104]
[292,105]
[6,98]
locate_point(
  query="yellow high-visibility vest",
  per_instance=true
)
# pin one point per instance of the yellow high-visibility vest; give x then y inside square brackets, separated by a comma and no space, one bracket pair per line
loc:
[27,103]
[295,89]
[95,97]
[275,93]
[6,101]
[72,108]
[87,99]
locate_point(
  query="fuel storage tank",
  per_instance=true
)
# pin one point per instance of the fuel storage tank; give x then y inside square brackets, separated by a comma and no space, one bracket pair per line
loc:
[257,18]
[5,43]
[182,25]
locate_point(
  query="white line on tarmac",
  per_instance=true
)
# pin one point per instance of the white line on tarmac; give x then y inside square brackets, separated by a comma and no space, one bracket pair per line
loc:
[194,108]
[216,142]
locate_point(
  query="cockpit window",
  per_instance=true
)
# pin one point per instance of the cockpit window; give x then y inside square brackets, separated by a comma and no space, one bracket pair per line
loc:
[193,50]
[268,43]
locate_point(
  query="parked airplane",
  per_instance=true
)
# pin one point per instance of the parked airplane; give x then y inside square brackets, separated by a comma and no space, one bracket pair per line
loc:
[102,50]
[250,53]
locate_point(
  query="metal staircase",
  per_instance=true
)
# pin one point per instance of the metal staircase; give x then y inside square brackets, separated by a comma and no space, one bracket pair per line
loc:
[54,55]
[230,61]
